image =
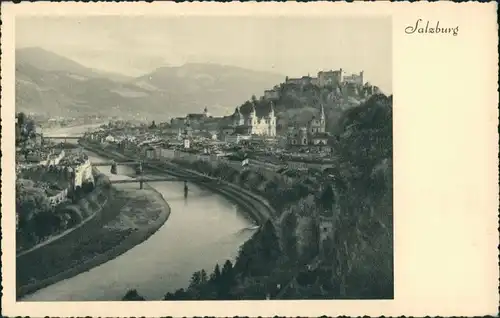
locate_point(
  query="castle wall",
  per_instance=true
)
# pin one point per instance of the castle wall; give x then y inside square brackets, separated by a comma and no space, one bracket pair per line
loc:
[325,78]
[354,79]
[271,94]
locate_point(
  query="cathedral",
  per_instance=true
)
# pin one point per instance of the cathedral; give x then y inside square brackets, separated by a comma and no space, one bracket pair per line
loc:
[255,125]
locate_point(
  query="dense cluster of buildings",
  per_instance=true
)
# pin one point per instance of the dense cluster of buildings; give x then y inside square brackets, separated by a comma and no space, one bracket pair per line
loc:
[51,168]
[251,125]
[257,125]
[263,123]
[240,126]
[313,135]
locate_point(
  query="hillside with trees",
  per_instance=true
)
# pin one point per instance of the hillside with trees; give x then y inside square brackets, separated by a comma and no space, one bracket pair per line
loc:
[297,104]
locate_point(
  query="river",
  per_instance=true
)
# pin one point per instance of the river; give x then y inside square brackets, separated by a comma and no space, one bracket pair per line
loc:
[202,230]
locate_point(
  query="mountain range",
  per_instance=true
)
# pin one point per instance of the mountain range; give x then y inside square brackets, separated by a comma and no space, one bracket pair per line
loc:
[48,83]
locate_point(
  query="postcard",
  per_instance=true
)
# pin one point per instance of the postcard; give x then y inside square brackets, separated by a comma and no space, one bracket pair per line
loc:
[249,159]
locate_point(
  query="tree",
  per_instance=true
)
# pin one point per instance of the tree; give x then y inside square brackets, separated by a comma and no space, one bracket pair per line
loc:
[269,243]
[87,186]
[252,289]
[271,187]
[30,128]
[78,194]
[30,201]
[227,280]
[215,276]
[203,276]
[132,295]
[365,134]
[327,197]
[227,269]
[21,119]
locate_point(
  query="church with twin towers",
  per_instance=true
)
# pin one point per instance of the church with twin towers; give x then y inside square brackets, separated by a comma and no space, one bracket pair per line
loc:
[252,124]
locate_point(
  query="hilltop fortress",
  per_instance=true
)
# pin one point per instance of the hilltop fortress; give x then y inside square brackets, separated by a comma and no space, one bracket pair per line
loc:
[259,117]
[328,78]
[334,79]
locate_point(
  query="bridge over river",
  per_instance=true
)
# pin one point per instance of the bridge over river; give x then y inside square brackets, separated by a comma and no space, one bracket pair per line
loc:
[141,180]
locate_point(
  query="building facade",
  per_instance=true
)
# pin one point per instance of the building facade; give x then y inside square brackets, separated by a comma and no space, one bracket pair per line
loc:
[255,125]
[354,79]
[314,135]
[194,119]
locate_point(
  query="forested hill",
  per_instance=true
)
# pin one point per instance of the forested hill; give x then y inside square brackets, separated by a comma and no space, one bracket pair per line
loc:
[365,133]
[365,165]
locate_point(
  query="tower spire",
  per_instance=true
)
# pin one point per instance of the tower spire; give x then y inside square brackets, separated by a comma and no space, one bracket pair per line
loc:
[253,111]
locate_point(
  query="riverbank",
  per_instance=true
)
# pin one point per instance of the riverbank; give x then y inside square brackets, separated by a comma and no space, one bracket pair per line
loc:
[126,219]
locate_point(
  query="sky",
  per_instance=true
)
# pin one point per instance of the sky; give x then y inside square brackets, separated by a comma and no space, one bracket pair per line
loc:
[292,46]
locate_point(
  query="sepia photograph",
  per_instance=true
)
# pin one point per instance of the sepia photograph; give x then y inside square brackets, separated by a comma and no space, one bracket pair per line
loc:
[203,158]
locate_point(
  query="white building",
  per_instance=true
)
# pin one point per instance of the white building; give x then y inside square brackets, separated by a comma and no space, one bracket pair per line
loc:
[255,125]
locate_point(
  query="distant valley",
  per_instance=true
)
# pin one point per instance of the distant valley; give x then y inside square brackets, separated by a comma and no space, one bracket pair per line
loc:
[47,83]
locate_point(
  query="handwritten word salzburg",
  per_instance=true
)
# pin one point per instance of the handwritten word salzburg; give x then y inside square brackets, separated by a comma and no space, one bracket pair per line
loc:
[434,28]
